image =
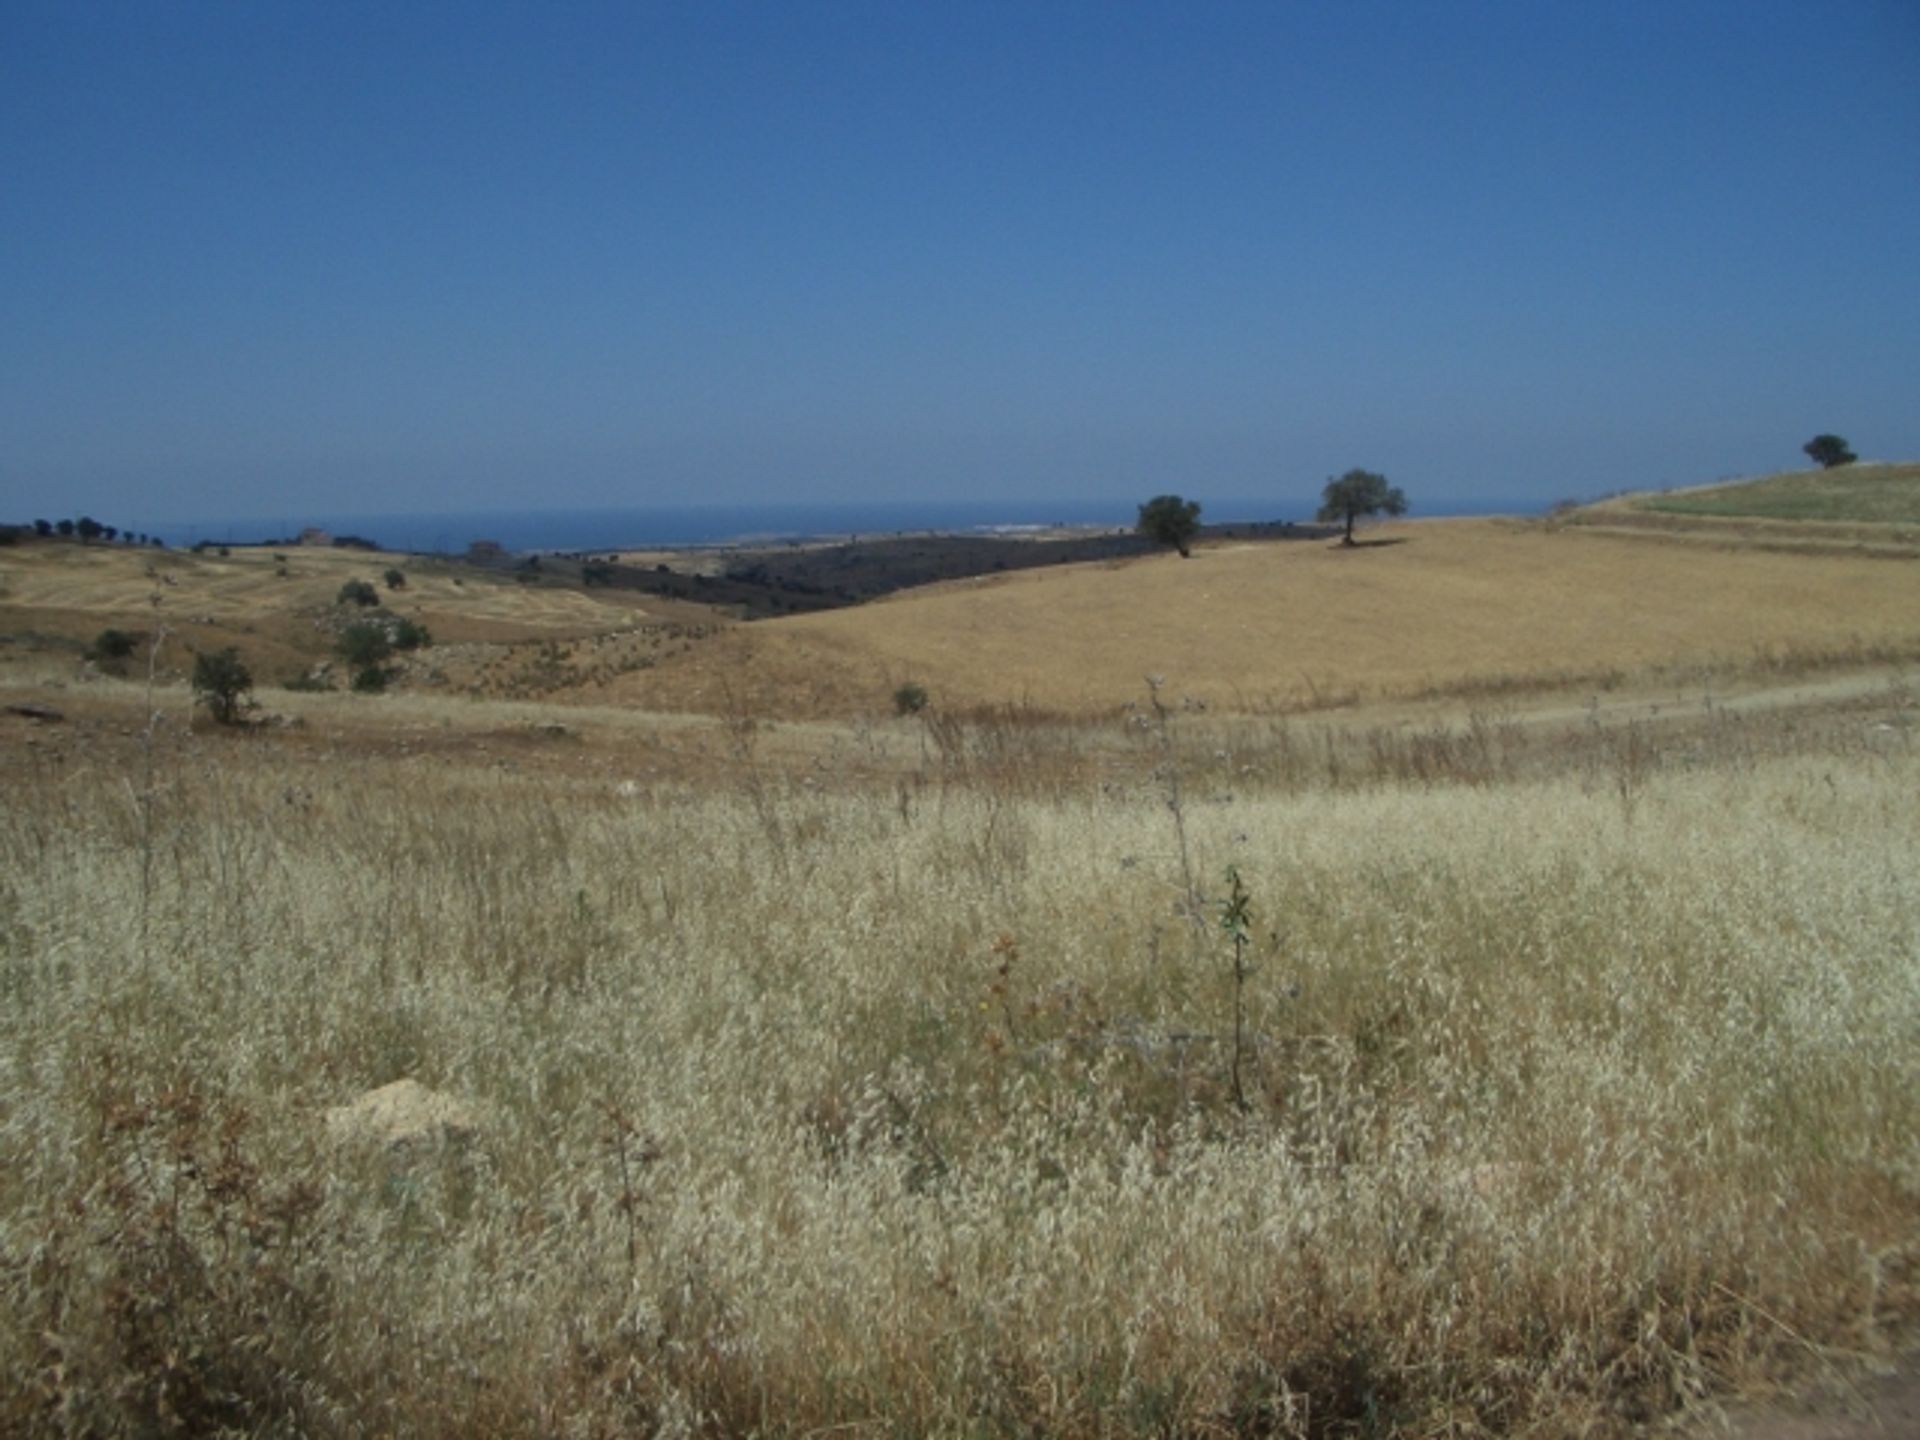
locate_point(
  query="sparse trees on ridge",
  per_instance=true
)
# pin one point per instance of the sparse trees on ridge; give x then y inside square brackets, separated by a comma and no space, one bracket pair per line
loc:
[1170,520]
[1357,493]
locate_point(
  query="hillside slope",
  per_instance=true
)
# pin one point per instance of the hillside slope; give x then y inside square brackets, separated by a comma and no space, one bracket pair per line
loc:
[1870,493]
[1870,508]
[1435,605]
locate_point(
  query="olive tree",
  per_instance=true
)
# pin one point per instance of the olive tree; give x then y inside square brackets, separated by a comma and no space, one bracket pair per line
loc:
[1170,520]
[1829,451]
[1357,493]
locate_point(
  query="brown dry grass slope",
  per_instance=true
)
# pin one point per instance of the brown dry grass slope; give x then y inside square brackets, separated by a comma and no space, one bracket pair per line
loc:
[1448,605]
[249,585]
[282,614]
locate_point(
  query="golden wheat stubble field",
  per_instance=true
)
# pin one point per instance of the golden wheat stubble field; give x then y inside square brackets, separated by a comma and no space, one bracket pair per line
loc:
[1429,607]
[1579,1077]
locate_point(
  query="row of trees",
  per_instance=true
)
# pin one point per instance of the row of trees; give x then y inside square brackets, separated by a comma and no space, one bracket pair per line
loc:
[1173,520]
[88,528]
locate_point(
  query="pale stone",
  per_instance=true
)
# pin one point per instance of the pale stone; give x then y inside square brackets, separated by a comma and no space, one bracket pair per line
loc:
[404,1115]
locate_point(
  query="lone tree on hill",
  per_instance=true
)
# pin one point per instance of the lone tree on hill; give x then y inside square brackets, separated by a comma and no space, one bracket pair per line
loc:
[1169,520]
[1829,451]
[1357,493]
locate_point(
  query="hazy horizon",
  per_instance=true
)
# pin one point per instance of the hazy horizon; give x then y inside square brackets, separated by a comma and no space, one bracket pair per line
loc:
[354,260]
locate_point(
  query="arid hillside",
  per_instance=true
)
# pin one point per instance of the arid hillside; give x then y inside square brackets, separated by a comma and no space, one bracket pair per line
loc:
[1421,608]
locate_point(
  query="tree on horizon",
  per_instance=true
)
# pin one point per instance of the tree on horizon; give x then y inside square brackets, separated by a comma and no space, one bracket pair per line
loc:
[1170,520]
[1829,451]
[1357,493]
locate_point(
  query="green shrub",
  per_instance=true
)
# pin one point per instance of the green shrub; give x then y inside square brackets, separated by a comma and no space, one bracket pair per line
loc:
[358,592]
[365,642]
[396,579]
[371,679]
[910,698]
[223,685]
[113,644]
[409,635]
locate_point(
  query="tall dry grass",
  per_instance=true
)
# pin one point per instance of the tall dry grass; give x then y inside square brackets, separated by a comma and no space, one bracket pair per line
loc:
[1575,1090]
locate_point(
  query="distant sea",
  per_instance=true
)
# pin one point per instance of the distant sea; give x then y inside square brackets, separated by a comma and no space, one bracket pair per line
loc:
[693,525]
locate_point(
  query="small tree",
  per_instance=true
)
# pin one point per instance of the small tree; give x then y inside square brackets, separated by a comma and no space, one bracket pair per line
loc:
[65,527]
[1170,520]
[222,684]
[1829,451]
[358,592]
[1357,493]
[43,527]
[396,579]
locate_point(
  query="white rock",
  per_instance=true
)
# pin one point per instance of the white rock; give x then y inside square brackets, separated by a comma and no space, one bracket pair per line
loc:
[405,1115]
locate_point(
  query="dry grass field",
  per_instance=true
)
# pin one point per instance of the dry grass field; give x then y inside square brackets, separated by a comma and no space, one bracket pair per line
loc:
[1467,606]
[801,1069]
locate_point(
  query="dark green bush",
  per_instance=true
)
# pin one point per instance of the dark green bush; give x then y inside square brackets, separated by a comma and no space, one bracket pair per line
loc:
[223,685]
[365,642]
[113,644]
[358,592]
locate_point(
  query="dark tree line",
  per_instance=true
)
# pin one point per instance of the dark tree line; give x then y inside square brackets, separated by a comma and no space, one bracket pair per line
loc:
[89,529]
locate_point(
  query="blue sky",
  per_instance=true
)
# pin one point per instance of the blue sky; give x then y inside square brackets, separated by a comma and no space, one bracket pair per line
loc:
[260,259]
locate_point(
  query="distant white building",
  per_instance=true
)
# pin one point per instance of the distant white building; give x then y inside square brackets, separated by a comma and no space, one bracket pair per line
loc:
[313,535]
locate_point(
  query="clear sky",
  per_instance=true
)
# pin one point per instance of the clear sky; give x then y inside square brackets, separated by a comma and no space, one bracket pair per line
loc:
[258,258]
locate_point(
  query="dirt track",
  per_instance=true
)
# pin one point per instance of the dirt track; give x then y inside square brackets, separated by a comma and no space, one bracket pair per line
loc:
[1882,1406]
